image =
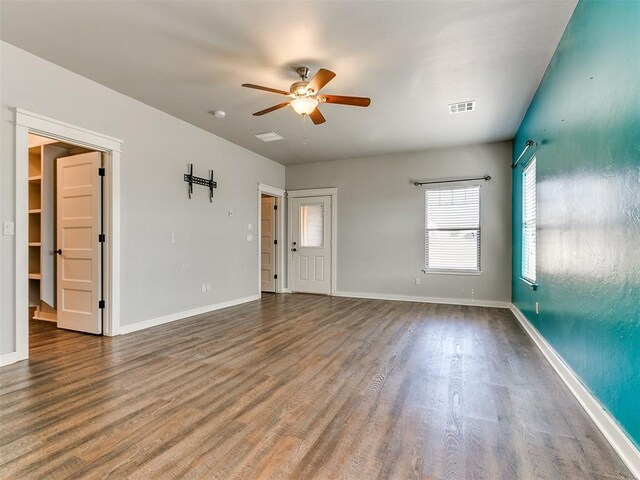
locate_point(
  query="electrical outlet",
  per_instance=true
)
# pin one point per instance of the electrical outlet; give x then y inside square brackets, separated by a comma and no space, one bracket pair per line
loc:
[537,308]
[418,281]
[9,228]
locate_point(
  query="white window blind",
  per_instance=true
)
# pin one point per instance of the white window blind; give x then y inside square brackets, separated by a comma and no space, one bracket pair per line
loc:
[452,229]
[311,225]
[529,222]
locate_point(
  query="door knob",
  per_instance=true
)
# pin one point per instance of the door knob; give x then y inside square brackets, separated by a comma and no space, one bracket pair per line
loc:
[59,251]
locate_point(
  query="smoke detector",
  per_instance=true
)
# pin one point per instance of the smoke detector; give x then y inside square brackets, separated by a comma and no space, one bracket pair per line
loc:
[460,107]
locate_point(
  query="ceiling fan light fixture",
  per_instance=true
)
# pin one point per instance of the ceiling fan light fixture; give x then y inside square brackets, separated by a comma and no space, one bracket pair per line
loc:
[303,95]
[304,105]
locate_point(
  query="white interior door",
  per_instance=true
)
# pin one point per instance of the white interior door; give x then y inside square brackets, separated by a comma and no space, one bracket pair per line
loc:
[311,244]
[267,244]
[78,220]
[48,234]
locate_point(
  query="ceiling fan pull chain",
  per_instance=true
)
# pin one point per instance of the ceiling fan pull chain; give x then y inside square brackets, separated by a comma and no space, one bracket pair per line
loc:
[304,129]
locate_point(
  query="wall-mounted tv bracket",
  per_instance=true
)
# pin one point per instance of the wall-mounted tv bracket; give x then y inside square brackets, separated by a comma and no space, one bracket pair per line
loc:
[207,182]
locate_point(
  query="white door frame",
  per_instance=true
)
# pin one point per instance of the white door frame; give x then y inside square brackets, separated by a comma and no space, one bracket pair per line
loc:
[28,122]
[316,192]
[279,194]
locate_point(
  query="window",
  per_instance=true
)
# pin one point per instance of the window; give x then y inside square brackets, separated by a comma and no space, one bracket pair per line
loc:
[529,222]
[452,229]
[311,225]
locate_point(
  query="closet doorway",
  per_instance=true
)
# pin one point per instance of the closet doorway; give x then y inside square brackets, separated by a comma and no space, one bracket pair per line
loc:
[270,239]
[269,244]
[76,137]
[65,234]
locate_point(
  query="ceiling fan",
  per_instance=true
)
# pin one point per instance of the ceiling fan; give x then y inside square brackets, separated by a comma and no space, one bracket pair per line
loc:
[305,98]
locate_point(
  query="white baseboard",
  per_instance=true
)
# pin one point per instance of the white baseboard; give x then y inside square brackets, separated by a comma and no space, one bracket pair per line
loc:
[622,444]
[153,322]
[412,298]
[9,358]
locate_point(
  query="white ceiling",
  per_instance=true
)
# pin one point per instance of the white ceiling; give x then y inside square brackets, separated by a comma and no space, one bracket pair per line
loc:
[412,58]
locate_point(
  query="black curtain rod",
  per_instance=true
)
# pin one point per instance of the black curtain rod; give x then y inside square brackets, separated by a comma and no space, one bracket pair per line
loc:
[485,178]
[527,144]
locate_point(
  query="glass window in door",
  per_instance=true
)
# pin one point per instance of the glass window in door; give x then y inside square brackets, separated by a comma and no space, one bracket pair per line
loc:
[311,225]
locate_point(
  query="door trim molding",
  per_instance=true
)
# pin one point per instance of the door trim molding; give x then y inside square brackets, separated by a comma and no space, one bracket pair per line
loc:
[280,229]
[616,437]
[316,192]
[269,190]
[313,192]
[28,122]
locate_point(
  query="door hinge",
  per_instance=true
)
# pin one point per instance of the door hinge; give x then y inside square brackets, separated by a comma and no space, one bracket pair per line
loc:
[275,242]
[275,276]
[102,238]
[101,171]
[101,304]
[275,207]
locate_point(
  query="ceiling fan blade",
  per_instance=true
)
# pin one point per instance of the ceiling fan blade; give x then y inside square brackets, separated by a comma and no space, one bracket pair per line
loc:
[266,89]
[320,79]
[316,117]
[343,100]
[271,109]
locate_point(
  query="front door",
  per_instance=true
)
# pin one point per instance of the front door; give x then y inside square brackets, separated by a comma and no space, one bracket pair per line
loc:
[311,245]
[78,215]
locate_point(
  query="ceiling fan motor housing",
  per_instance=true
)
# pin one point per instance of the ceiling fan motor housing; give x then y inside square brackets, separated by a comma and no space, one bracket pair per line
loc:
[299,88]
[303,72]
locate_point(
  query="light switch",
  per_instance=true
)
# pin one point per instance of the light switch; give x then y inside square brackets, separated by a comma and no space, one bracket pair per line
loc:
[9,228]
[249,237]
[250,227]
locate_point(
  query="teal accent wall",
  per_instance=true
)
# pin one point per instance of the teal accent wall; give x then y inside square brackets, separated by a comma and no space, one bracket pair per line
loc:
[585,118]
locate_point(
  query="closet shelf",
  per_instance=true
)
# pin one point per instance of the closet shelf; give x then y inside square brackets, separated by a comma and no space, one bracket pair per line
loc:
[41,230]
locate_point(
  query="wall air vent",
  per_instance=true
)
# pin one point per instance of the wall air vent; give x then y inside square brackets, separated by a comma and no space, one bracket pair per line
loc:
[460,107]
[269,137]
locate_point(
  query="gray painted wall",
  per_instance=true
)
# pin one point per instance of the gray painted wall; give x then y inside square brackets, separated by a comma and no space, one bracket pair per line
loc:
[158,277]
[381,220]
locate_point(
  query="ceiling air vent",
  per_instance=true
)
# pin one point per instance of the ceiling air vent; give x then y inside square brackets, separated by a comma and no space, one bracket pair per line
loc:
[269,137]
[460,107]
